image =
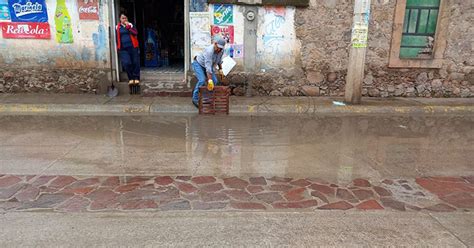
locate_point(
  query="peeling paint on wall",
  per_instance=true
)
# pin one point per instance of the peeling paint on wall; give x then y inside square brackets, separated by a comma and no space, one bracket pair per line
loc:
[100,43]
[276,43]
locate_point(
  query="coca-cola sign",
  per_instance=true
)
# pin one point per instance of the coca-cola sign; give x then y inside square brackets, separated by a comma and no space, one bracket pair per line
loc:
[88,9]
[26,30]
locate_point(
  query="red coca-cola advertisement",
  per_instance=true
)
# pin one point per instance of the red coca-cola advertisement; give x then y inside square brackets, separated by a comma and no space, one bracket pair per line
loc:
[26,30]
[88,9]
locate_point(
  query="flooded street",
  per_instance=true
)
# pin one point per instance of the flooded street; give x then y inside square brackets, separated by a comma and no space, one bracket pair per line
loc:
[263,180]
[335,148]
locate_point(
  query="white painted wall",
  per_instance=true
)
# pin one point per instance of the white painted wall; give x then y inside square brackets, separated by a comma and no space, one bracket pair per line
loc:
[90,47]
[277,45]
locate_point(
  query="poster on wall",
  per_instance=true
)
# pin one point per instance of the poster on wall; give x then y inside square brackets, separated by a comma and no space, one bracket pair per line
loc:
[223,14]
[238,51]
[359,35]
[200,24]
[88,9]
[4,11]
[226,32]
[28,10]
[62,20]
[26,30]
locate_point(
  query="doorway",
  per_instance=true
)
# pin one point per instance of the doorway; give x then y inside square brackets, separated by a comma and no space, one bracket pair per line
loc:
[161,33]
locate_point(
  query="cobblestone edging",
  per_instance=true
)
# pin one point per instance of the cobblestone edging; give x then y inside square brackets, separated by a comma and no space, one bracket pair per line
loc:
[81,194]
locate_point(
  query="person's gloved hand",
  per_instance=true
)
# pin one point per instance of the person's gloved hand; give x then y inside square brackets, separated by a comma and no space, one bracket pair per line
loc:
[210,85]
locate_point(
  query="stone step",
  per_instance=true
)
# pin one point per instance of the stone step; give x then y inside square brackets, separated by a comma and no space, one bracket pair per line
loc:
[163,88]
[154,76]
[164,85]
[148,93]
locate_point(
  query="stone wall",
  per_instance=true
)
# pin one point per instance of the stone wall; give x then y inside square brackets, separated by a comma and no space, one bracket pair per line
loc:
[324,31]
[16,80]
[47,65]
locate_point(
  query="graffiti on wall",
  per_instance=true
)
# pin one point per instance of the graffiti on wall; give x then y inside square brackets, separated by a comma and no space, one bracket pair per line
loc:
[198,5]
[277,37]
[4,11]
[100,43]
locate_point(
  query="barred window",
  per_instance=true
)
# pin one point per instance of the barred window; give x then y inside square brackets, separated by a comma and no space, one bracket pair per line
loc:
[419,28]
[419,34]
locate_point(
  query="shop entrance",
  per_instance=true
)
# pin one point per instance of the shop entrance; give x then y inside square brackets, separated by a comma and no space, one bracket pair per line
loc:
[161,33]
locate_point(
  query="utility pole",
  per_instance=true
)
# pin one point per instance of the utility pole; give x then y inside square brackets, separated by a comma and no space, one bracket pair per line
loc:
[355,70]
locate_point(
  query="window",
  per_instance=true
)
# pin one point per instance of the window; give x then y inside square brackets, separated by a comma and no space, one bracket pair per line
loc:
[419,28]
[418,38]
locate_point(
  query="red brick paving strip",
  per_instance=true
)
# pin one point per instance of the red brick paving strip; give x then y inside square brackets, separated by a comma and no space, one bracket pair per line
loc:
[203,179]
[211,188]
[281,179]
[299,204]
[301,183]
[8,181]
[323,189]
[295,194]
[186,187]
[370,205]
[163,180]
[258,181]
[247,206]
[165,193]
[361,183]
[255,189]
[453,190]
[235,183]
[341,205]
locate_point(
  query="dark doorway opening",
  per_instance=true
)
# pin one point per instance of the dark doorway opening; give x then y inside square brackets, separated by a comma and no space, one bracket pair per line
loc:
[161,32]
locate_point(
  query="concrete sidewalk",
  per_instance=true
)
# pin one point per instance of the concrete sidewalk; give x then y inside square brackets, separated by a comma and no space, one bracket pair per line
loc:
[90,104]
[236,229]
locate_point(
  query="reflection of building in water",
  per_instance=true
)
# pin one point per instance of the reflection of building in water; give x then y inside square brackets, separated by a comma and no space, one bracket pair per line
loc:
[269,149]
[226,146]
[215,143]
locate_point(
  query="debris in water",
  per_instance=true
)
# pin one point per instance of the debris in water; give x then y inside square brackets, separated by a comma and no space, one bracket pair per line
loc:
[337,103]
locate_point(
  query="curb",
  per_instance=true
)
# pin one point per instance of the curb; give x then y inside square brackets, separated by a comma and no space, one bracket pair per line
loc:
[235,109]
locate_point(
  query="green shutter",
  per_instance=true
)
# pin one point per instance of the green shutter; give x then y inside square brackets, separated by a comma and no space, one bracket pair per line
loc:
[419,28]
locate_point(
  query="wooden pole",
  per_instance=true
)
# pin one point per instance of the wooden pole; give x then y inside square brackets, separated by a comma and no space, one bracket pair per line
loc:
[355,70]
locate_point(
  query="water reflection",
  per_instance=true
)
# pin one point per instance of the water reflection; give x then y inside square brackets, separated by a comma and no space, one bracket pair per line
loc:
[336,148]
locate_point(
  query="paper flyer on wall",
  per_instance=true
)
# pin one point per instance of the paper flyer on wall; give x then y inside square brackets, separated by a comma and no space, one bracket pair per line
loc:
[200,29]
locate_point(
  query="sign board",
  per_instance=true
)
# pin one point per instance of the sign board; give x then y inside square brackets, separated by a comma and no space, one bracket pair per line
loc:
[28,10]
[223,14]
[225,32]
[88,9]
[26,30]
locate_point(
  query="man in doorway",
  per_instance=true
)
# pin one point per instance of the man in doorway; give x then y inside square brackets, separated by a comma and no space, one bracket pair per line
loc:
[204,66]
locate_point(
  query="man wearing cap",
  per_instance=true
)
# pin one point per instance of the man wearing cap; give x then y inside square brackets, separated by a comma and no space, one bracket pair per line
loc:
[204,65]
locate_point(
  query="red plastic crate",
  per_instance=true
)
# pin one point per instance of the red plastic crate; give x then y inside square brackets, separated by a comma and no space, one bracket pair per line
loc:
[214,102]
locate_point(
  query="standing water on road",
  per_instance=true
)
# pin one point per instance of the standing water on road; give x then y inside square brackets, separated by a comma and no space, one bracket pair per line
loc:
[335,148]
